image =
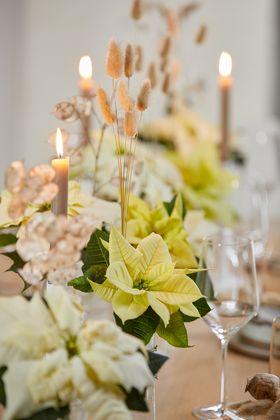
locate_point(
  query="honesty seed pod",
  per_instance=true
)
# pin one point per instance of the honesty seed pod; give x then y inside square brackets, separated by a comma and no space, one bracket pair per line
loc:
[264,386]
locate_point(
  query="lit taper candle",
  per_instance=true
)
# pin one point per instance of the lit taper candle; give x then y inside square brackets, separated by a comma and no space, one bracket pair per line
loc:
[85,70]
[225,84]
[61,167]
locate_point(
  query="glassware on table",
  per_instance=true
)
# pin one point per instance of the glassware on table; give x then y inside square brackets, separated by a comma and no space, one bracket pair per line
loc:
[274,357]
[231,268]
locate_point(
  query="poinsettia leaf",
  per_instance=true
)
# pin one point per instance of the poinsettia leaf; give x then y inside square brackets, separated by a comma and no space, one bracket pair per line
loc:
[202,307]
[81,283]
[18,262]
[96,253]
[142,327]
[135,401]
[175,332]
[156,361]
[203,281]
[2,386]
[169,206]
[49,414]
[7,239]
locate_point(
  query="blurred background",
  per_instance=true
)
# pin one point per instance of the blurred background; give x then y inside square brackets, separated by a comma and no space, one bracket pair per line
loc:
[42,42]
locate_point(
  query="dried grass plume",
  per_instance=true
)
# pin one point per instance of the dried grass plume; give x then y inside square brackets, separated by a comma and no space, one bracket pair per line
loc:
[107,114]
[123,96]
[152,74]
[201,34]
[143,96]
[166,83]
[137,9]
[188,9]
[130,123]
[129,61]
[139,57]
[114,62]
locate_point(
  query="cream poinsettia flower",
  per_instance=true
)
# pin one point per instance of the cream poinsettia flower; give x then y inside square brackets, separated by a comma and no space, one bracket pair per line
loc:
[53,356]
[143,277]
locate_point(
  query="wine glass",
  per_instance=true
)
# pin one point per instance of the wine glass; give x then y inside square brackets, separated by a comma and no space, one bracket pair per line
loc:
[274,358]
[234,298]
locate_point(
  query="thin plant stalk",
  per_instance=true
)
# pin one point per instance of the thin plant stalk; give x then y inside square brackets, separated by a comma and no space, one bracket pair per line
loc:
[97,155]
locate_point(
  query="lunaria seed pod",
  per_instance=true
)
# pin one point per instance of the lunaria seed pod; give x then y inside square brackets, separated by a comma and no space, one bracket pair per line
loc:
[65,111]
[264,386]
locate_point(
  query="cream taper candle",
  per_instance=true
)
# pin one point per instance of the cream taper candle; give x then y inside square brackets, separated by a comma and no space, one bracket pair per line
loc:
[225,84]
[61,167]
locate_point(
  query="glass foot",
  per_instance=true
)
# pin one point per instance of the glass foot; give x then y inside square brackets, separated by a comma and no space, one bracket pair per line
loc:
[214,412]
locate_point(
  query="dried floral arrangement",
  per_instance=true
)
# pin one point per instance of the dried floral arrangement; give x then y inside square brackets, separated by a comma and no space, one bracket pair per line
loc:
[119,112]
[59,360]
[265,389]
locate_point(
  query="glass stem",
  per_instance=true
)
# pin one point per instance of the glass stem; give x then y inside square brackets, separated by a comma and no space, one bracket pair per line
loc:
[224,344]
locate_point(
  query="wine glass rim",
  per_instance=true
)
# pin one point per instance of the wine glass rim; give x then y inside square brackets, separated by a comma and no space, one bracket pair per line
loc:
[232,240]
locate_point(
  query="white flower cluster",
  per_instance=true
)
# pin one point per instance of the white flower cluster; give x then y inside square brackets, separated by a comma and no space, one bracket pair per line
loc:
[52,246]
[35,186]
[53,358]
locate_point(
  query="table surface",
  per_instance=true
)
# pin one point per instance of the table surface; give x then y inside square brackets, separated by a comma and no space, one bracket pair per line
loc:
[191,377]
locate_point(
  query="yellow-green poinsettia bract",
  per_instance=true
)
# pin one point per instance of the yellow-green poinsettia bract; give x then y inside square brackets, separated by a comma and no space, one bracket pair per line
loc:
[143,277]
[142,221]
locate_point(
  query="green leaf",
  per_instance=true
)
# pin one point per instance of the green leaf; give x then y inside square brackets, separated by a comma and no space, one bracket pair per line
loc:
[169,206]
[175,333]
[81,283]
[7,239]
[95,273]
[202,307]
[135,401]
[18,262]
[156,361]
[203,281]
[50,414]
[2,386]
[142,327]
[95,253]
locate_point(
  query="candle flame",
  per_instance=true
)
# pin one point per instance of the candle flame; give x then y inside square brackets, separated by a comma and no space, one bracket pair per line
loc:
[225,64]
[59,143]
[85,67]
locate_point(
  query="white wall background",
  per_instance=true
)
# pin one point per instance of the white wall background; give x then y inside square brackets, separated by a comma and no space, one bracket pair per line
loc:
[42,41]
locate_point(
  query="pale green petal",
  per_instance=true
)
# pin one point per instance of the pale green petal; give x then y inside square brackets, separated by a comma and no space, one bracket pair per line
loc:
[118,275]
[121,251]
[178,207]
[190,310]
[126,307]
[154,250]
[105,291]
[178,290]
[160,272]
[159,308]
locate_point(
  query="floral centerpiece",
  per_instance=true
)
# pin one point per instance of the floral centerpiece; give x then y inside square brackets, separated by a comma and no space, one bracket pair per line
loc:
[50,357]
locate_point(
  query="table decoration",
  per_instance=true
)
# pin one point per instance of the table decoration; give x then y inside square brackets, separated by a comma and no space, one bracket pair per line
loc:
[225,84]
[265,389]
[61,168]
[51,357]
